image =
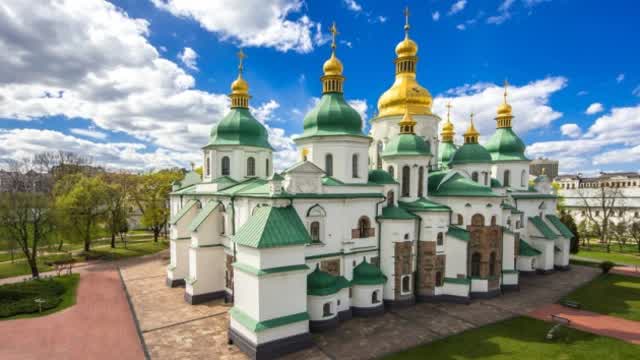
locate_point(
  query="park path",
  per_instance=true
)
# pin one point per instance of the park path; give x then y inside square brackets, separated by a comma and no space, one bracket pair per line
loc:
[99,326]
[594,323]
[626,270]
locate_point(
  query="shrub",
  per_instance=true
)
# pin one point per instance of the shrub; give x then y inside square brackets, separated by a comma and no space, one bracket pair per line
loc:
[19,298]
[606,266]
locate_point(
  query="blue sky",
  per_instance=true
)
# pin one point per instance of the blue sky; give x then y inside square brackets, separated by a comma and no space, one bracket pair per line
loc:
[138,84]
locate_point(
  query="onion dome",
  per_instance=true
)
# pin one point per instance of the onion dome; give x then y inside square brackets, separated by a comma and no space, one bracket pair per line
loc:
[320,283]
[405,91]
[332,115]
[381,177]
[367,274]
[239,127]
[447,148]
[504,144]
[471,151]
[406,143]
[447,129]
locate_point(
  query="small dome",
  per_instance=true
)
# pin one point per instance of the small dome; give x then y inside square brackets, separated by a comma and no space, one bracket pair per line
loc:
[321,283]
[504,109]
[407,145]
[470,153]
[406,47]
[380,177]
[505,145]
[333,66]
[332,116]
[368,274]
[239,86]
[448,126]
[239,127]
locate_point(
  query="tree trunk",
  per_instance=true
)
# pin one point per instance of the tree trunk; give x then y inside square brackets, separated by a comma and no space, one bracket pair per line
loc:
[87,237]
[113,240]
[35,273]
[156,234]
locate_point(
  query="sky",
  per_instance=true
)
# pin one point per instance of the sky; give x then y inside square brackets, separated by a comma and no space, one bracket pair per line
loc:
[138,84]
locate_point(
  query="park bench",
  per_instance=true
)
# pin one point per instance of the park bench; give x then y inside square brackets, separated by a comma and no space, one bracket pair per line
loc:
[559,322]
[61,265]
[571,304]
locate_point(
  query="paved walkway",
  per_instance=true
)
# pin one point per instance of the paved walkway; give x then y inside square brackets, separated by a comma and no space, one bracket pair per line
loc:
[99,326]
[627,270]
[173,329]
[622,329]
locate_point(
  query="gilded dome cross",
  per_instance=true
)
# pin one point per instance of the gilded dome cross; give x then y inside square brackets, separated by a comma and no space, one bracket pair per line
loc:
[334,33]
[241,57]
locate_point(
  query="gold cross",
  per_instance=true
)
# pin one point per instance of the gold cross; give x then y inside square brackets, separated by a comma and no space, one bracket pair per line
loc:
[506,85]
[241,57]
[448,109]
[334,32]
[406,18]
[471,118]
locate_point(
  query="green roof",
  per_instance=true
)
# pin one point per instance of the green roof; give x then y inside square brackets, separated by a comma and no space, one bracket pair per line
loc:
[423,204]
[202,215]
[534,196]
[460,281]
[470,153]
[445,152]
[542,227]
[510,207]
[257,326]
[381,177]
[332,116]
[505,145]
[246,187]
[275,177]
[189,179]
[331,181]
[224,180]
[406,145]
[367,274]
[185,209]
[495,183]
[396,213]
[458,233]
[560,226]
[321,283]
[447,183]
[270,227]
[527,250]
[239,127]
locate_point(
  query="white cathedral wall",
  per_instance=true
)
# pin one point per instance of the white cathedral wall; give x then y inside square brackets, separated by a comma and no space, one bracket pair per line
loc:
[282,294]
[517,169]
[362,295]
[414,163]
[179,263]
[456,260]
[481,169]
[469,206]
[394,231]
[545,260]
[342,149]
[206,270]
[238,156]
[561,258]
[271,257]
[526,263]
[315,306]
[508,251]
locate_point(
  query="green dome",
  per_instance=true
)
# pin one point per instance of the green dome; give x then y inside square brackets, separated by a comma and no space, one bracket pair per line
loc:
[451,183]
[406,145]
[321,283]
[379,176]
[470,153]
[368,274]
[445,152]
[505,145]
[239,127]
[332,116]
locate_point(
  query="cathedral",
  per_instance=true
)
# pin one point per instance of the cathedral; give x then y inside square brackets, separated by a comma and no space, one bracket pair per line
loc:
[362,222]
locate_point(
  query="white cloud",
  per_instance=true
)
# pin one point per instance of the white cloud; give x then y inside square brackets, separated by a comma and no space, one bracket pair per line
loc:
[461,27]
[530,104]
[504,13]
[619,156]
[636,91]
[619,78]
[381,19]
[268,23]
[435,16]
[594,109]
[361,107]
[457,7]
[582,93]
[89,133]
[571,130]
[189,58]
[353,5]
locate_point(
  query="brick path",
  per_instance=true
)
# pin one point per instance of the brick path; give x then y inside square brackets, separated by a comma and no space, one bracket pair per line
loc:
[622,329]
[626,270]
[99,326]
[172,329]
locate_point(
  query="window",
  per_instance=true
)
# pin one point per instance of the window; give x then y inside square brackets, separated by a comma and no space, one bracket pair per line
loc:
[486,178]
[314,231]
[251,166]
[328,164]
[207,166]
[226,166]
[379,155]
[326,310]
[507,178]
[636,214]
[391,198]
[363,227]
[354,165]
[493,220]
[460,219]
[266,167]
[375,297]
[390,171]
[475,264]
[406,180]
[406,284]
[523,178]
[420,181]
[439,279]
[440,239]
[474,176]
[222,225]
[492,264]
[477,220]
[508,221]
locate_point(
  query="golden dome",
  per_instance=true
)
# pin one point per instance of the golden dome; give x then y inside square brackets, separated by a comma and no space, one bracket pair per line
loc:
[406,47]
[447,129]
[333,66]
[240,86]
[504,111]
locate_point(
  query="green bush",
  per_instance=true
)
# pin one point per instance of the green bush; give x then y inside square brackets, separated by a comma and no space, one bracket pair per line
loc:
[19,298]
[606,266]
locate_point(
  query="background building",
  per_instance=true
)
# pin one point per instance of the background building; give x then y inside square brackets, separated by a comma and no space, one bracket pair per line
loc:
[550,167]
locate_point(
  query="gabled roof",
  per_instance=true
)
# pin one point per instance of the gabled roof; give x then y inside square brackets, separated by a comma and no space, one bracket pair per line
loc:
[452,183]
[527,250]
[249,186]
[542,227]
[224,180]
[423,204]
[381,177]
[203,215]
[396,213]
[271,227]
[367,274]
[458,233]
[304,166]
[560,226]
[331,181]
[185,209]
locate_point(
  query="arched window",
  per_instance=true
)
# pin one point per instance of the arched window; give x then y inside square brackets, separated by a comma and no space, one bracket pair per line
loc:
[375,297]
[475,264]
[440,239]
[207,165]
[406,284]
[266,167]
[508,221]
[223,224]
[494,220]
[226,166]
[328,164]
[474,176]
[314,231]
[439,279]
[326,310]
[477,220]
[391,198]
[460,219]
[486,178]
[363,227]
[406,180]
[523,178]
[251,166]
[390,171]
[492,264]
[354,165]
[507,178]
[379,155]
[420,180]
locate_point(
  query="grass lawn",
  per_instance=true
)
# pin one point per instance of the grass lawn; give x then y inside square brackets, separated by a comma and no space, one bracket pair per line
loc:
[611,294]
[627,254]
[68,298]
[521,338]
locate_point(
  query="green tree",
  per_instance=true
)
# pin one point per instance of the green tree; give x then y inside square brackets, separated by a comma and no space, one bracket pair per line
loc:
[119,187]
[569,222]
[583,231]
[620,233]
[84,203]
[634,233]
[152,196]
